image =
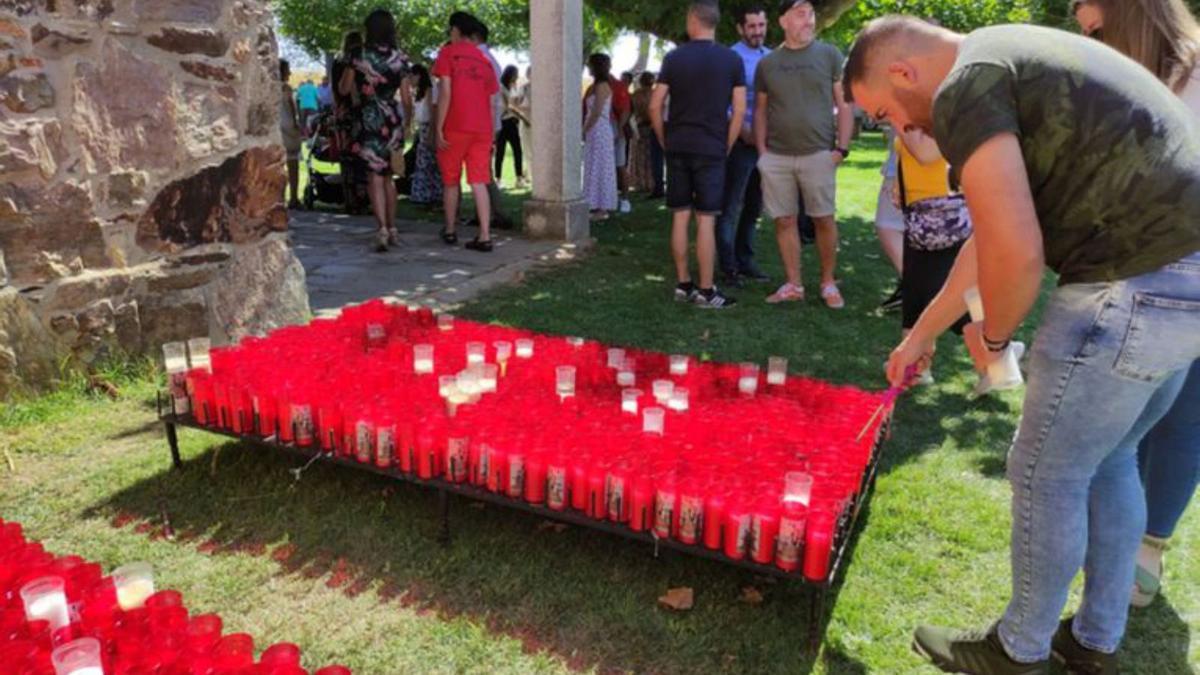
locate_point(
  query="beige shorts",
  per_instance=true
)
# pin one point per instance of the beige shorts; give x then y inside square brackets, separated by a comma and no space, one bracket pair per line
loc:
[786,177]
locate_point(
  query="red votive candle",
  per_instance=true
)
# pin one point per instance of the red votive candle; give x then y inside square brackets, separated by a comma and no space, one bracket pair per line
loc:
[714,520]
[329,426]
[221,404]
[597,503]
[240,414]
[202,633]
[691,515]
[579,486]
[282,654]
[457,459]
[737,531]
[790,544]
[267,410]
[426,455]
[515,487]
[618,490]
[556,485]
[497,480]
[535,479]
[285,420]
[818,544]
[302,420]
[764,531]
[666,505]
[641,505]
[406,446]
[385,444]
[477,463]
[364,440]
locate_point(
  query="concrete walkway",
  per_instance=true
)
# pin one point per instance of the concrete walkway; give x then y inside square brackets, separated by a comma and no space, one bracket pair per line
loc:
[343,269]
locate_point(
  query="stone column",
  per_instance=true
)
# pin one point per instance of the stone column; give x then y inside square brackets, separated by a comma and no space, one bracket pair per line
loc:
[557,209]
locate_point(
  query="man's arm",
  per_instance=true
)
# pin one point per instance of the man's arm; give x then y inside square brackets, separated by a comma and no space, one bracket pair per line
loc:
[1009,237]
[738,103]
[760,122]
[656,112]
[845,118]
[443,109]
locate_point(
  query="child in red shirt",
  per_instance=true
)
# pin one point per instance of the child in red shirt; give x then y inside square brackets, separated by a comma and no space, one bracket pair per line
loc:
[466,82]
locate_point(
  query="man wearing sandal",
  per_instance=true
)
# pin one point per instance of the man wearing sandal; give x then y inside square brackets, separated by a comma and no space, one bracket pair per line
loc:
[796,89]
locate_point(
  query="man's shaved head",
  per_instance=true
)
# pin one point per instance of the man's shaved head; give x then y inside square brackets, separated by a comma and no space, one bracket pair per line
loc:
[881,41]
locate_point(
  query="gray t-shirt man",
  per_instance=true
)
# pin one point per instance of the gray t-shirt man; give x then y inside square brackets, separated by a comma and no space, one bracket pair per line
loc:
[799,88]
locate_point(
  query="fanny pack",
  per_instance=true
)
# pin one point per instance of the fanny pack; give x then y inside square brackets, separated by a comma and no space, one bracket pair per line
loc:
[934,224]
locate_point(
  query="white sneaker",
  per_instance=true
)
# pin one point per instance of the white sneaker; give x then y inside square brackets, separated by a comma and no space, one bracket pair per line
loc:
[625,207]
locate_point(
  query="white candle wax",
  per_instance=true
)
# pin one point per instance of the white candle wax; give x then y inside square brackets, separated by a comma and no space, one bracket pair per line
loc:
[133,593]
[748,385]
[51,608]
[626,378]
[87,670]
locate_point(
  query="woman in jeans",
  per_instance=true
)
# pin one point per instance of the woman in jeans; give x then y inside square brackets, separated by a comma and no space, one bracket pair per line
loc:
[510,126]
[1164,37]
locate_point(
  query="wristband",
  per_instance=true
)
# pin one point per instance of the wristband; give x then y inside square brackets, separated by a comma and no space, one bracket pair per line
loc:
[995,346]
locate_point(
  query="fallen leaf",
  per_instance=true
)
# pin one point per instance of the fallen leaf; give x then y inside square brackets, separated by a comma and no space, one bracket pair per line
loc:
[679,599]
[706,336]
[752,596]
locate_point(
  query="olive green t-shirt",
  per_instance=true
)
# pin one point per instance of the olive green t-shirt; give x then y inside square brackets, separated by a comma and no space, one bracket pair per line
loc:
[1113,155]
[799,88]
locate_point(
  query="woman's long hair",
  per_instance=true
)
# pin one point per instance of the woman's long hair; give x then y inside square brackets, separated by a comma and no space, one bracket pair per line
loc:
[509,78]
[424,81]
[351,44]
[381,29]
[1162,35]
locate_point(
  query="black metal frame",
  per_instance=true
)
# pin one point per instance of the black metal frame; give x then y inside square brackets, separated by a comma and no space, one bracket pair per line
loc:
[818,590]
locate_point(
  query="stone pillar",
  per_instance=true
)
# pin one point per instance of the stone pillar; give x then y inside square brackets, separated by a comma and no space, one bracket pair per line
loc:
[557,209]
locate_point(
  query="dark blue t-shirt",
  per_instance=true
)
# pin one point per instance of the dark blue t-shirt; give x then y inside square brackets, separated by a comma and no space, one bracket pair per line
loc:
[701,76]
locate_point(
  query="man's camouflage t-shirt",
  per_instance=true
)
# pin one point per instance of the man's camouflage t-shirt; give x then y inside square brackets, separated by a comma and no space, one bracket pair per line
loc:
[1113,155]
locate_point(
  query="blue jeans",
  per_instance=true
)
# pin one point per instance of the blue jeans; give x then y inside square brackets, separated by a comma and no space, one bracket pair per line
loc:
[1169,459]
[1108,362]
[743,205]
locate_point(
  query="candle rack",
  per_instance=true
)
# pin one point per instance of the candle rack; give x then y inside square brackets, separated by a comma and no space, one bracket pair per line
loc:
[819,591]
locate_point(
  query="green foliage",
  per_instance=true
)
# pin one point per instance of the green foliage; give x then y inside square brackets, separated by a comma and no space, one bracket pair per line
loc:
[318,25]
[953,14]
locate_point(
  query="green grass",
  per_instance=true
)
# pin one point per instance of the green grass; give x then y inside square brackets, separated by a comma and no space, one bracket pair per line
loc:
[346,564]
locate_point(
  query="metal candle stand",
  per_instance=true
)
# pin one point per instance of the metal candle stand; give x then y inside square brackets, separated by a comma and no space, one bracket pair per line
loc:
[818,590]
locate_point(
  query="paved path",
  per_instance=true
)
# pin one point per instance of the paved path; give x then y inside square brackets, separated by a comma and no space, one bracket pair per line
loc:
[342,269]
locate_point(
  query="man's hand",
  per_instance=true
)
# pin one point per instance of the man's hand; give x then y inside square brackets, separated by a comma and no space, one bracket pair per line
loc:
[747,135]
[442,143]
[913,351]
[838,157]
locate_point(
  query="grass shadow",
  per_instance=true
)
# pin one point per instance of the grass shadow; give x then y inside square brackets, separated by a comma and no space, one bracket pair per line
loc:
[589,599]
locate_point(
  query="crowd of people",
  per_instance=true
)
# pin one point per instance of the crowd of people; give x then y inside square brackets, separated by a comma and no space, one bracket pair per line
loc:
[1015,148]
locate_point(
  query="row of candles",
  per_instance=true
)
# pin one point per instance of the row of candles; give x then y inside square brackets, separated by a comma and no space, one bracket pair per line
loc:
[706,454]
[62,616]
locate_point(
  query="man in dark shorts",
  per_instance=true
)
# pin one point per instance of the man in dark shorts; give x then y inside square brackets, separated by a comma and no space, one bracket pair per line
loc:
[704,81]
[1076,158]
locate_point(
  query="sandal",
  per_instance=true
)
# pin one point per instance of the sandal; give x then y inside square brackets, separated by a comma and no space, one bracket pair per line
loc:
[393,237]
[381,241]
[449,238]
[481,246]
[1147,583]
[786,293]
[832,296]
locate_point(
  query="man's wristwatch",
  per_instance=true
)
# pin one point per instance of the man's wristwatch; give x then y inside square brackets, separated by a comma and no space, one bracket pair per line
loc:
[845,152]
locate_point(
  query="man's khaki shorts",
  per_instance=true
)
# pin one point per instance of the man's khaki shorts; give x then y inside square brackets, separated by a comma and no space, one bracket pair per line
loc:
[786,177]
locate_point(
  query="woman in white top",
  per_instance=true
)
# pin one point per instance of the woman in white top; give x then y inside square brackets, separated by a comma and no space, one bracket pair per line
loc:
[1164,37]
[426,188]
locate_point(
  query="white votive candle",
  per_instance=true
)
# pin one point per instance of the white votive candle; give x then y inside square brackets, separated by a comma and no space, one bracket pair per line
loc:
[679,364]
[524,349]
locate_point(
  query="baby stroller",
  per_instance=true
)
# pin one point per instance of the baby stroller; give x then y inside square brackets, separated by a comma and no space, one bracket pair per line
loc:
[327,144]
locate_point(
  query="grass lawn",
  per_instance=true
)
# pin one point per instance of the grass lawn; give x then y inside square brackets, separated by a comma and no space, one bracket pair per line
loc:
[346,564]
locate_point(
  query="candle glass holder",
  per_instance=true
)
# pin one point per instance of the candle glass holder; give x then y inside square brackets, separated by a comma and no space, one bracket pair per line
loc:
[565,381]
[134,583]
[476,353]
[629,401]
[797,487]
[78,657]
[489,379]
[616,357]
[447,385]
[45,599]
[679,400]
[445,322]
[748,379]
[662,390]
[199,353]
[653,421]
[679,364]
[524,348]
[423,359]
[777,371]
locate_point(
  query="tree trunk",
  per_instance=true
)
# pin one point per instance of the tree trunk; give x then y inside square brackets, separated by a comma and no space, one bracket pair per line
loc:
[644,41]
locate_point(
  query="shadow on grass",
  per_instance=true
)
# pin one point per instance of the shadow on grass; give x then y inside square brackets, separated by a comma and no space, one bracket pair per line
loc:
[587,597]
[1156,640]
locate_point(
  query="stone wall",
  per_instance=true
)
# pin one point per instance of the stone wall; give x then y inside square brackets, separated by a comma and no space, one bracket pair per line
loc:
[141,179]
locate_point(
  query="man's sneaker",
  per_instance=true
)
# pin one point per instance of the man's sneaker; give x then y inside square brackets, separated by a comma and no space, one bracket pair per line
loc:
[625,206]
[893,302]
[713,299]
[732,280]
[1077,659]
[686,292]
[978,653]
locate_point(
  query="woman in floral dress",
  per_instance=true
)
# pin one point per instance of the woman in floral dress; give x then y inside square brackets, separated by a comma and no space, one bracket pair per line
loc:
[599,156]
[379,74]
